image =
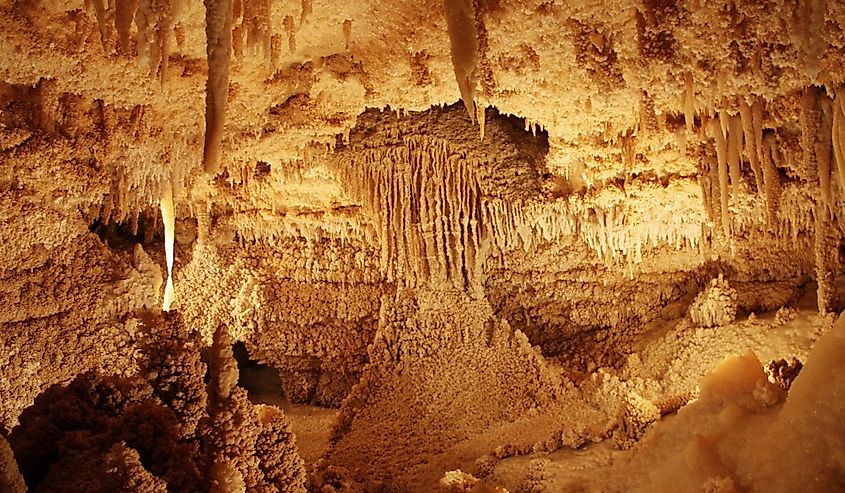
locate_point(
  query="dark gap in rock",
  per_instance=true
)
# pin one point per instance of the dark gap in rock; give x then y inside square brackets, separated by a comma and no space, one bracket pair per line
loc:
[262,382]
[123,236]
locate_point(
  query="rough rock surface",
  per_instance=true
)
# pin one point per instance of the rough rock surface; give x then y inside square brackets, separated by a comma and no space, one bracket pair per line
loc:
[474,227]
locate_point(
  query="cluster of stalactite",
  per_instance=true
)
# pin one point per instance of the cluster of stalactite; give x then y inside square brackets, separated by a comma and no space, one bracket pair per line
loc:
[426,206]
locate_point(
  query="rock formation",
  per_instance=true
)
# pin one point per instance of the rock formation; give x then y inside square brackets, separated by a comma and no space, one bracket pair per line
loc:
[485,239]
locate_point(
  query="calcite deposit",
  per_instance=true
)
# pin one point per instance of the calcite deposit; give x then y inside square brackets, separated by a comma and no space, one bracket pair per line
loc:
[457,245]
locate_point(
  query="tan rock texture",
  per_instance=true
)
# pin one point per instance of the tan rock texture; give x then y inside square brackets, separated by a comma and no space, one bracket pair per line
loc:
[479,229]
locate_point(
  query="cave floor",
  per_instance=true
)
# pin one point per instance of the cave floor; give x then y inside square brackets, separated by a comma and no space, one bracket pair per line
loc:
[673,357]
[670,359]
[312,425]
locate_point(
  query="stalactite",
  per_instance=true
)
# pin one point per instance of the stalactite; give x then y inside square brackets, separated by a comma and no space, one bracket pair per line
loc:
[156,21]
[752,143]
[771,178]
[145,26]
[704,129]
[101,12]
[724,123]
[291,30]
[307,8]
[838,136]
[463,39]
[823,151]
[721,156]
[482,118]
[706,194]
[164,32]
[218,32]
[169,220]
[628,155]
[179,34]
[809,121]
[734,151]
[425,203]
[347,33]
[123,17]
[275,51]
[256,26]
[808,27]
[689,102]
[237,40]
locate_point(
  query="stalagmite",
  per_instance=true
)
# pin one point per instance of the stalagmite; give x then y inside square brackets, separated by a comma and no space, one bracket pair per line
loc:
[218,32]
[169,220]
[734,150]
[463,39]
[825,250]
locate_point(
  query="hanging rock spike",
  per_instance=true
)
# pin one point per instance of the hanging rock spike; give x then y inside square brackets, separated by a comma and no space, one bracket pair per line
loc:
[218,32]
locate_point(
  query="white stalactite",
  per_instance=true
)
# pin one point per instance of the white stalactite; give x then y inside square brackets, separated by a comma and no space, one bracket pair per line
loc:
[169,220]
[724,123]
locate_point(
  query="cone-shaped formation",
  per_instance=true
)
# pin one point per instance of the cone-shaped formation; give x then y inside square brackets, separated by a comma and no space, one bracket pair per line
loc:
[218,38]
[168,217]
[463,41]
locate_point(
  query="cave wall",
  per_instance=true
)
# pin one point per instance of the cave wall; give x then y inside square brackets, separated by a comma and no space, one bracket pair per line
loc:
[615,158]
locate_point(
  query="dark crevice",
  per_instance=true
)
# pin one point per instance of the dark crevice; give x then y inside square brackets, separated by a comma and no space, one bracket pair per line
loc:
[262,382]
[146,230]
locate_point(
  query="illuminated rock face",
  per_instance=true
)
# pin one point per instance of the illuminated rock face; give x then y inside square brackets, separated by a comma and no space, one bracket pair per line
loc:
[486,283]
